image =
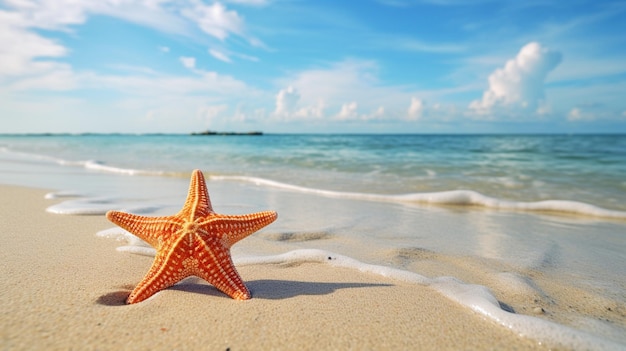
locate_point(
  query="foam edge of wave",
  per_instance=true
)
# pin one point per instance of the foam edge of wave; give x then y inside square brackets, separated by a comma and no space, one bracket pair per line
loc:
[476,297]
[133,245]
[450,197]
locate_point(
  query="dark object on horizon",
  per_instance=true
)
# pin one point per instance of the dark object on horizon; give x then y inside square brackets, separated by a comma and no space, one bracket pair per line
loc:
[211,132]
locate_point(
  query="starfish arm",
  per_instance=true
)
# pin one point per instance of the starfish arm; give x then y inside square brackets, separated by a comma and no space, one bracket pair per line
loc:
[198,203]
[237,227]
[150,284]
[216,267]
[171,265]
[149,229]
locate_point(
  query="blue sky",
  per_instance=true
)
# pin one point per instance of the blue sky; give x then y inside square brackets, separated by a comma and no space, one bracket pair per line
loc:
[409,66]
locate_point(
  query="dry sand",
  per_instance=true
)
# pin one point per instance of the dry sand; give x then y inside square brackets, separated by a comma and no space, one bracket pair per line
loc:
[64,288]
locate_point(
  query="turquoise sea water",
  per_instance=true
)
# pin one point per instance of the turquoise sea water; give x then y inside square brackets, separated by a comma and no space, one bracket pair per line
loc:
[540,221]
[587,169]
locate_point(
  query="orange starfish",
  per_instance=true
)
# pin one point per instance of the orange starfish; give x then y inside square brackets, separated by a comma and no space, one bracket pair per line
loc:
[195,241]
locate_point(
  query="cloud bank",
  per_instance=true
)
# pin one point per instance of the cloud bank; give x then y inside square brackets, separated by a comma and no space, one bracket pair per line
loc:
[519,85]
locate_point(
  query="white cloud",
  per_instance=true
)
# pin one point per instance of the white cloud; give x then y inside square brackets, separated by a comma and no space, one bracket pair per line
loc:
[416,109]
[349,80]
[350,91]
[348,111]
[188,62]
[62,14]
[27,58]
[48,14]
[31,60]
[215,19]
[344,91]
[26,55]
[220,55]
[286,101]
[21,49]
[576,114]
[209,113]
[311,112]
[288,109]
[520,83]
[339,81]
[247,114]
[164,15]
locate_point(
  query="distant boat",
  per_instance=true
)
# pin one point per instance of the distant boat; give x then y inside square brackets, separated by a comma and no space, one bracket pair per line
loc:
[211,132]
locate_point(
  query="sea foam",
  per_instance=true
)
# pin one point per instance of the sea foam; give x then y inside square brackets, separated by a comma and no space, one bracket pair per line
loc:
[444,198]
[476,297]
[80,204]
[451,197]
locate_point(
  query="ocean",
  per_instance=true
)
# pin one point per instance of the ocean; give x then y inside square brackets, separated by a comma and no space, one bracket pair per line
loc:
[536,222]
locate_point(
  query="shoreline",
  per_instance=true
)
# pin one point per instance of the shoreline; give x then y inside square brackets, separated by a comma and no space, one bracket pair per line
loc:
[525,186]
[65,288]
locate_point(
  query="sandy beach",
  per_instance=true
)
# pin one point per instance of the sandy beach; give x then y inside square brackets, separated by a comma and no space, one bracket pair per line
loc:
[64,288]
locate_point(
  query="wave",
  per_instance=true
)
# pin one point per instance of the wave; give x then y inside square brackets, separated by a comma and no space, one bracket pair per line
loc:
[451,197]
[99,166]
[93,165]
[96,207]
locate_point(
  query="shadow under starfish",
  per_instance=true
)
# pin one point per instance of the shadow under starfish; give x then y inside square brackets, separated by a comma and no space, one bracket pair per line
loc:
[266,289]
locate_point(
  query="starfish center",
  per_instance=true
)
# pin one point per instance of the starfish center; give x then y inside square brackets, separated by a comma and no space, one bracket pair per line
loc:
[191,227]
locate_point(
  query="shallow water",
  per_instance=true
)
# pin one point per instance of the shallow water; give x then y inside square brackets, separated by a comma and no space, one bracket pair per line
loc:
[539,221]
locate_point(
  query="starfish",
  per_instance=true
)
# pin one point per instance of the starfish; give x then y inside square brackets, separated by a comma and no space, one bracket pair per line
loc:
[194,242]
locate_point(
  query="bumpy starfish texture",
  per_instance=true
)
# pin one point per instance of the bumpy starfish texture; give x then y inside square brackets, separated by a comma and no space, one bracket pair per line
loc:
[195,241]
